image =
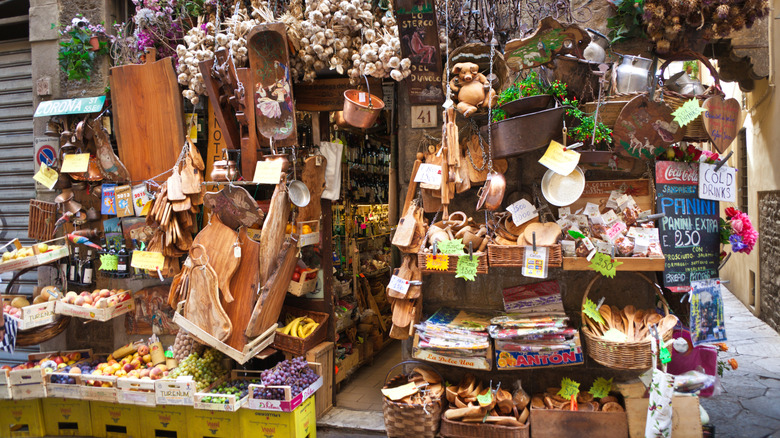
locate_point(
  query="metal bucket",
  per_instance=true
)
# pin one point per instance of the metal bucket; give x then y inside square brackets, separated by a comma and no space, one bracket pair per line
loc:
[361,108]
[517,135]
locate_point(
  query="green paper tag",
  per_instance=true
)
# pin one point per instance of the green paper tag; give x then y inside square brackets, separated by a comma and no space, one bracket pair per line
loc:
[666,356]
[576,234]
[485,399]
[108,262]
[590,309]
[467,268]
[688,112]
[569,388]
[604,265]
[454,246]
[601,387]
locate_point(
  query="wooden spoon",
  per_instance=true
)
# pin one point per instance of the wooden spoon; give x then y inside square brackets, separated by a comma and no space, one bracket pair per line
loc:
[504,401]
[629,312]
[666,324]
[617,320]
[606,314]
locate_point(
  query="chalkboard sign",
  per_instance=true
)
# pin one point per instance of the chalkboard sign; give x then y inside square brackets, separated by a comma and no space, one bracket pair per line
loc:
[689,231]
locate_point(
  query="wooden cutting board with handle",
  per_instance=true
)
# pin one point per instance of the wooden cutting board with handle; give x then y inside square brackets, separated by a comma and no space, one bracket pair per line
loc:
[313,176]
[148,116]
[244,286]
[219,241]
[272,235]
[271,299]
[203,308]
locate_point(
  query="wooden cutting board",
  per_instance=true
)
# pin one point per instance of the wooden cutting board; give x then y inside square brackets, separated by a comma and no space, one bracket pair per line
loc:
[244,286]
[218,242]
[313,176]
[234,206]
[272,235]
[269,303]
[203,308]
[148,116]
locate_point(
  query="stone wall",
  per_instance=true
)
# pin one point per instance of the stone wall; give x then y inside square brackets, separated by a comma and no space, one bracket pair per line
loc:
[769,256]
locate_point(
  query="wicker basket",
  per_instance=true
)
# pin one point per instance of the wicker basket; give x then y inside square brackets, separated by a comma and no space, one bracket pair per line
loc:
[459,429]
[27,338]
[621,355]
[482,266]
[512,255]
[695,130]
[415,420]
[299,346]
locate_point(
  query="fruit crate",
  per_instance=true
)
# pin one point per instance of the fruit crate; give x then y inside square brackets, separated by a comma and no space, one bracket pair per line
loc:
[34,315]
[163,421]
[136,391]
[27,392]
[309,238]
[93,313]
[37,259]
[63,390]
[99,388]
[65,417]
[114,420]
[306,284]
[300,423]
[21,418]
[179,392]
[232,401]
[299,346]
[289,403]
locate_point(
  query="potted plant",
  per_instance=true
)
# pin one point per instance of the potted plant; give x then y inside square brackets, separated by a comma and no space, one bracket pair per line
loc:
[585,128]
[79,48]
[527,95]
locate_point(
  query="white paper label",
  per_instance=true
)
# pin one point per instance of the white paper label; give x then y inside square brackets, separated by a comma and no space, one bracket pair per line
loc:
[429,174]
[717,185]
[592,209]
[398,284]
[564,211]
[522,212]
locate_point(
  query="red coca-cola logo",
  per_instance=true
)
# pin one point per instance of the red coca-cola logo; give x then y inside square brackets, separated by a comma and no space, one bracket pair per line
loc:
[685,174]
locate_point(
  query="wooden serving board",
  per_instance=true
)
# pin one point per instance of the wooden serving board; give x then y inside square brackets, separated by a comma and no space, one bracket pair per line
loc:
[243,285]
[272,235]
[148,116]
[269,69]
[269,303]
[218,241]
[313,176]
[645,128]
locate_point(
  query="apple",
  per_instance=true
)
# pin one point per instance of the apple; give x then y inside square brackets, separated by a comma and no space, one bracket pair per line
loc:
[147,358]
[104,293]
[143,349]
[74,355]
[112,301]
[57,359]
[144,373]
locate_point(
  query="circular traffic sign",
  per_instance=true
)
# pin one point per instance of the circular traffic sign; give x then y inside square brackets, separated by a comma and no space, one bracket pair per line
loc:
[46,155]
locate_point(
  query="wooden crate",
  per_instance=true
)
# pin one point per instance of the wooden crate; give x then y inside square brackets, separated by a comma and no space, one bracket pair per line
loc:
[303,287]
[686,422]
[323,354]
[233,402]
[629,264]
[290,402]
[347,365]
[556,423]
[598,192]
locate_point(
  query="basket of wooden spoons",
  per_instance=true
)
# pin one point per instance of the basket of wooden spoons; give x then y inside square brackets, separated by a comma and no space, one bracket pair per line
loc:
[412,404]
[621,340]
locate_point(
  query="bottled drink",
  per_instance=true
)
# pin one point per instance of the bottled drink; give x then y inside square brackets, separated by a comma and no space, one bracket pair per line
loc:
[88,269]
[73,274]
[122,261]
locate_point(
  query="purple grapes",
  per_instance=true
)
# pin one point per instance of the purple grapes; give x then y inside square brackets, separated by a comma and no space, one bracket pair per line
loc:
[294,373]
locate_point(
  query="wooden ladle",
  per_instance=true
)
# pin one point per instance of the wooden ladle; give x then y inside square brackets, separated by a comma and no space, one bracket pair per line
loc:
[630,311]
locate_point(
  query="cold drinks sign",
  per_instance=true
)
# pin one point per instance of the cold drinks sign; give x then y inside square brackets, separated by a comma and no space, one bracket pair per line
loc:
[717,185]
[688,232]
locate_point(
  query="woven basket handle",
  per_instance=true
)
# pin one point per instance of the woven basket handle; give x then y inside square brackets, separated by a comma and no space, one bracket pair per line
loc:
[655,285]
[691,55]
[416,362]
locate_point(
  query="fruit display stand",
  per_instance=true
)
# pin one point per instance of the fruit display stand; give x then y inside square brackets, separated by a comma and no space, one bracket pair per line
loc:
[289,403]
[251,349]
[232,402]
[163,421]
[296,345]
[21,418]
[99,388]
[34,315]
[179,392]
[213,424]
[114,420]
[66,417]
[136,391]
[93,313]
[37,257]
[300,423]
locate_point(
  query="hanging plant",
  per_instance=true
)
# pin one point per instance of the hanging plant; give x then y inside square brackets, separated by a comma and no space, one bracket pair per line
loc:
[80,47]
[531,85]
[627,23]
[583,131]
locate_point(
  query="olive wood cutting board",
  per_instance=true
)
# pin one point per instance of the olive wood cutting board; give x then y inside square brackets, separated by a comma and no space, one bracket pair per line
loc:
[271,299]
[219,241]
[272,235]
[313,176]
[203,308]
[148,116]
[244,286]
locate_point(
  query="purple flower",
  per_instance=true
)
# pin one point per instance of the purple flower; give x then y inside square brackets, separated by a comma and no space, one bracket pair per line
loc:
[736,243]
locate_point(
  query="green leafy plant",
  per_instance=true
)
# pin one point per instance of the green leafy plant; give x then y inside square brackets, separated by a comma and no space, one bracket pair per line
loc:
[692,68]
[583,131]
[531,85]
[627,22]
[76,56]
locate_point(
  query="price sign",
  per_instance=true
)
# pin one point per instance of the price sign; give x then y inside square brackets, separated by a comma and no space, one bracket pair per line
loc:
[454,246]
[75,163]
[591,310]
[268,172]
[535,262]
[486,398]
[467,268]
[688,112]
[615,230]
[424,116]
[601,387]
[429,174]
[398,284]
[522,212]
[108,262]
[604,265]
[148,260]
[437,262]
[559,160]
[569,388]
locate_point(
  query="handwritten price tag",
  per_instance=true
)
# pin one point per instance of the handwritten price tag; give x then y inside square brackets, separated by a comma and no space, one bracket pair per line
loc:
[268,172]
[688,112]
[46,176]
[601,387]
[615,230]
[467,268]
[590,309]
[604,265]
[559,160]
[398,284]
[454,246]
[522,212]
[429,174]
[484,399]
[151,261]
[108,262]
[75,163]
[569,388]
[437,262]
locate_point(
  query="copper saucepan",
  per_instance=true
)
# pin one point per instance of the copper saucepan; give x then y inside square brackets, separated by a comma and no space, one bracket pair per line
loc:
[492,193]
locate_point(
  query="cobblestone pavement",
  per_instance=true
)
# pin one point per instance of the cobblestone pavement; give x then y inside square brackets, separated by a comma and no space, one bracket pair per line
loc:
[749,405]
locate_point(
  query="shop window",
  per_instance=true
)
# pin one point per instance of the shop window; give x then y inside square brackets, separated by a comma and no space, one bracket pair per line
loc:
[742,171]
[752,289]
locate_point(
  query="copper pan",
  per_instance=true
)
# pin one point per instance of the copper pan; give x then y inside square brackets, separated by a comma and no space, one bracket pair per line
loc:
[492,193]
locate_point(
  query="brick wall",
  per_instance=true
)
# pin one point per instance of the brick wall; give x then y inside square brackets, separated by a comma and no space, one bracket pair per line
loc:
[769,256]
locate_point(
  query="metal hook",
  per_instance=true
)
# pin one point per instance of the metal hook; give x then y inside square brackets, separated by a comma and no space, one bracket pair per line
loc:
[533,236]
[723,161]
[471,252]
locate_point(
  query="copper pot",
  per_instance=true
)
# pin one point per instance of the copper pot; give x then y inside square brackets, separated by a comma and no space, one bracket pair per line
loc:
[492,193]
[224,170]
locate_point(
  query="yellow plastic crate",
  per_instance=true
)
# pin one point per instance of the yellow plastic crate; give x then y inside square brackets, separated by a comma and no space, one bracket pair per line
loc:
[300,423]
[163,421]
[114,420]
[21,418]
[67,417]
[212,424]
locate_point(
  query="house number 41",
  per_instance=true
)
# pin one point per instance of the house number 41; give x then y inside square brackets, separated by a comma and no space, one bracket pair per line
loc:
[424,116]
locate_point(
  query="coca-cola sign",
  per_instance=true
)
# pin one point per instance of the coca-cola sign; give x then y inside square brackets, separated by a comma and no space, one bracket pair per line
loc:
[672,172]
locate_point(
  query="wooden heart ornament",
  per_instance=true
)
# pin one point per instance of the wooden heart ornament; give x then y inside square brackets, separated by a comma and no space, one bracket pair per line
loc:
[644,128]
[722,119]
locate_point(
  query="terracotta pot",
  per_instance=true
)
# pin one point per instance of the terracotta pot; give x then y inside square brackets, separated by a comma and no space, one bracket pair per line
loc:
[95,43]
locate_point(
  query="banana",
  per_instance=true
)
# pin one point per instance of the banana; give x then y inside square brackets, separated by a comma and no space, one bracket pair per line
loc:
[294,326]
[309,329]
[300,332]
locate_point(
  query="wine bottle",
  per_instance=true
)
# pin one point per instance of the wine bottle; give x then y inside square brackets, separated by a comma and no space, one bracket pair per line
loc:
[87,269]
[73,274]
